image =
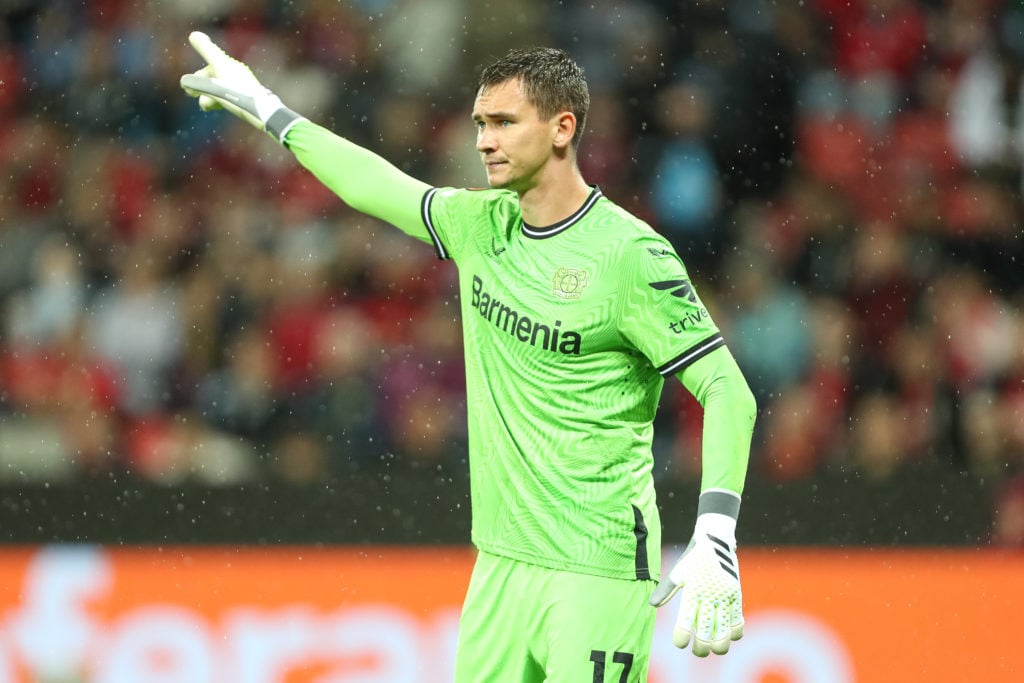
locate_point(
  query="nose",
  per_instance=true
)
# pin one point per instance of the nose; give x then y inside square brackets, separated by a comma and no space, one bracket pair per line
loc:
[485,140]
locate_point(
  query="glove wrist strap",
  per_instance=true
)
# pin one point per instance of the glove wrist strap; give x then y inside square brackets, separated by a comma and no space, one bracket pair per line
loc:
[280,122]
[719,501]
[717,511]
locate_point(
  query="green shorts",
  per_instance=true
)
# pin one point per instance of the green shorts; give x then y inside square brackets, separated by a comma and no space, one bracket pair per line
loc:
[527,624]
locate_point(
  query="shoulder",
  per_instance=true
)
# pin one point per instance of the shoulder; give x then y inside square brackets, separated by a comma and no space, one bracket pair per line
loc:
[630,234]
[641,255]
[469,196]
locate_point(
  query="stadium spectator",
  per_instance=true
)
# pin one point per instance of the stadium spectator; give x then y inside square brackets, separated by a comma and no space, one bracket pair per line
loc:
[135,324]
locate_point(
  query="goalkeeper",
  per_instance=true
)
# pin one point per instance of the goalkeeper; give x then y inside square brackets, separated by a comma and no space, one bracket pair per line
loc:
[573,312]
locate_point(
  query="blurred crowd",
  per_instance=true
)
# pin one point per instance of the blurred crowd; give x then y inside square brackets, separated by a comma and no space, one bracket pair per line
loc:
[180,301]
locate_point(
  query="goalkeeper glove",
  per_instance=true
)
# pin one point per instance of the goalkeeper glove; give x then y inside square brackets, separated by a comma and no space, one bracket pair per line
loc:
[711,605]
[226,83]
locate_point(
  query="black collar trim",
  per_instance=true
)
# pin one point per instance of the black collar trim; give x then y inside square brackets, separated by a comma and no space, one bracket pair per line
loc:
[562,225]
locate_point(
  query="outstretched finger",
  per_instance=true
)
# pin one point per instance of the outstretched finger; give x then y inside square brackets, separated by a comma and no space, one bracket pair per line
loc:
[206,48]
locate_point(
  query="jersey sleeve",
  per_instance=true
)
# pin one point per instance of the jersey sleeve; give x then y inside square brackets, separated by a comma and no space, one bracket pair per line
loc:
[729,413]
[661,314]
[365,181]
[439,211]
[664,317]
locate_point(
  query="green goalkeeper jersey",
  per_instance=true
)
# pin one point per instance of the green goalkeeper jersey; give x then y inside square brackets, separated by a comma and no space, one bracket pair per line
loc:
[569,332]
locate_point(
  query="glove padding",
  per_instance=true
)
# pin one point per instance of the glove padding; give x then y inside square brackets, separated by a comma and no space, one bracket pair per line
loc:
[226,83]
[711,604]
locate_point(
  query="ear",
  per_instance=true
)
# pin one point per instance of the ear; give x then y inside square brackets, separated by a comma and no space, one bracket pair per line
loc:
[565,129]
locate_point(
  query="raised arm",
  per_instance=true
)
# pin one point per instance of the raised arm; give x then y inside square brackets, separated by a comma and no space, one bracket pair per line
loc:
[365,181]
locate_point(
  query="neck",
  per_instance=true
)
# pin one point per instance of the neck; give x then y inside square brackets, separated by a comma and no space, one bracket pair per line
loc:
[554,199]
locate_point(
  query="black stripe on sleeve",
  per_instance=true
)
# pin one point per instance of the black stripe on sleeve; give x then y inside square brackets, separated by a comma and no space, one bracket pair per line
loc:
[428,197]
[643,570]
[692,354]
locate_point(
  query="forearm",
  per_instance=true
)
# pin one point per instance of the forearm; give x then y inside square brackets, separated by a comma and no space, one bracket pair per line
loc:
[363,180]
[729,412]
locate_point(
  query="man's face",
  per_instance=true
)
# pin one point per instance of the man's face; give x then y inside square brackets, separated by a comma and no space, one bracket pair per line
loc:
[514,142]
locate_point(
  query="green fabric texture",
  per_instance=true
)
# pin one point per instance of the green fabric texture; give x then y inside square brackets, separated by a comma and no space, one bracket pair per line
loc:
[365,181]
[729,413]
[552,626]
[372,185]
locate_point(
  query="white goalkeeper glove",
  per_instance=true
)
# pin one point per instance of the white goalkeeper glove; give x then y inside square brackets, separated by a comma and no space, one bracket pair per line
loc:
[708,574]
[227,83]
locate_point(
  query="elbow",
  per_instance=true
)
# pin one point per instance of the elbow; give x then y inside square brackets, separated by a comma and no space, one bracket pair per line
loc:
[746,403]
